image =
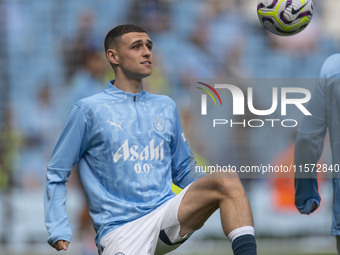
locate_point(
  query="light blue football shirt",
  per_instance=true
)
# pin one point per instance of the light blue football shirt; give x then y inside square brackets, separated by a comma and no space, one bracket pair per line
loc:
[325,108]
[129,149]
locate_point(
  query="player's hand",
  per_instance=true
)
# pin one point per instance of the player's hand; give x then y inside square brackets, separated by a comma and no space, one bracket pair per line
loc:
[61,245]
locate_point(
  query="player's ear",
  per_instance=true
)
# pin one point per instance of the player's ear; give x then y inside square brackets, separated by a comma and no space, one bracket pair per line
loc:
[112,56]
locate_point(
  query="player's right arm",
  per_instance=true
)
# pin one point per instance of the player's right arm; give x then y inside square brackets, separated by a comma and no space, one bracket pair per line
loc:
[71,145]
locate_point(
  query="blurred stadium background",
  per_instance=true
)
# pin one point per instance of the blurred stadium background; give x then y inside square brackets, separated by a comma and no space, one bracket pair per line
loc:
[51,54]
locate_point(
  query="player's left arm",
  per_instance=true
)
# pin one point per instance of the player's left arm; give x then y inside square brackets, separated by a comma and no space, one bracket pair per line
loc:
[184,167]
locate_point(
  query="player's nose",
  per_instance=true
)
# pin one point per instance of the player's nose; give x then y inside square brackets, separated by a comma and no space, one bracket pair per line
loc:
[146,51]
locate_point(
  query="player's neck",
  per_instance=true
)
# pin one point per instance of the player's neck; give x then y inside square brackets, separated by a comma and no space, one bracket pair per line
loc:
[133,86]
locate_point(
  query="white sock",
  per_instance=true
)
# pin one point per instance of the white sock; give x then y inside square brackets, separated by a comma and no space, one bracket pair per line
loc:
[246,230]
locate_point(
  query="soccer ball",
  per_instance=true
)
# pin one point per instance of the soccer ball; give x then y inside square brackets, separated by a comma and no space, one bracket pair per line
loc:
[285,17]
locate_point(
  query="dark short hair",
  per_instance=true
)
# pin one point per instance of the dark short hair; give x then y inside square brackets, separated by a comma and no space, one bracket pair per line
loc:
[113,36]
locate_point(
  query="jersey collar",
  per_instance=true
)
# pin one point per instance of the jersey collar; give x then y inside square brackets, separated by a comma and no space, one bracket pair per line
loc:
[114,91]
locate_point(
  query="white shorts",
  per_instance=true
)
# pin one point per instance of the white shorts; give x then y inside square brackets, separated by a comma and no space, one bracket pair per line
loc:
[154,233]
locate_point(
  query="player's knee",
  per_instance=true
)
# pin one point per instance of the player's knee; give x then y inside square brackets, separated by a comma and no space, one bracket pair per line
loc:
[229,187]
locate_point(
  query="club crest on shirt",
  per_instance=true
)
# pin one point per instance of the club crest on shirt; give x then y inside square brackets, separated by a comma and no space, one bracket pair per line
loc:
[158,125]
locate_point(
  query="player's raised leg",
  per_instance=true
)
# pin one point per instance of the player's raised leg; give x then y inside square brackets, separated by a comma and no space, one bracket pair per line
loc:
[207,195]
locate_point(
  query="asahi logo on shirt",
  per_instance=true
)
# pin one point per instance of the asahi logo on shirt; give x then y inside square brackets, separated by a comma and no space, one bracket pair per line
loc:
[136,152]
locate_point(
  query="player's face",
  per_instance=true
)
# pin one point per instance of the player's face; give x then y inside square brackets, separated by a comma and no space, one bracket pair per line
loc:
[135,55]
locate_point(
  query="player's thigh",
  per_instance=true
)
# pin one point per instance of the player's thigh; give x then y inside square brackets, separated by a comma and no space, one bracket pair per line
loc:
[202,199]
[139,239]
[136,237]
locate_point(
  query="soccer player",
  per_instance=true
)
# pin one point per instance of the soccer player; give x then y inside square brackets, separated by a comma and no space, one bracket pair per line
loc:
[130,147]
[325,109]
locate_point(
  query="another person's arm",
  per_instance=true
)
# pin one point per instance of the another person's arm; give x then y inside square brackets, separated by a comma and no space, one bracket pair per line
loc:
[308,150]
